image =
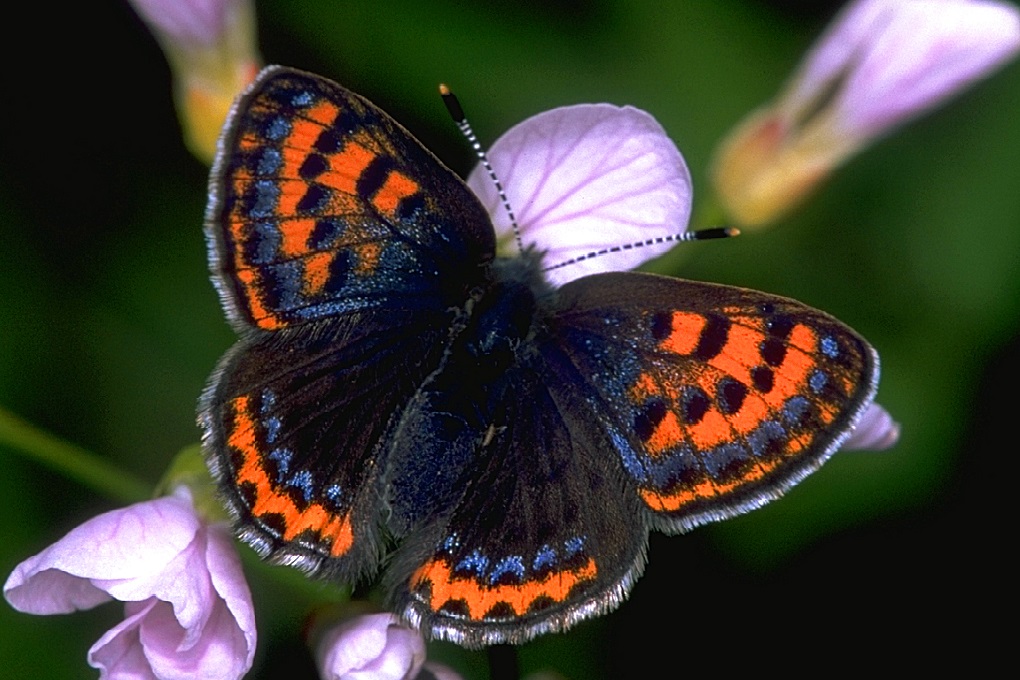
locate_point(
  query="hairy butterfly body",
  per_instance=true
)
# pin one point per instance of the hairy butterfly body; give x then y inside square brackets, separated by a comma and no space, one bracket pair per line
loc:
[397,384]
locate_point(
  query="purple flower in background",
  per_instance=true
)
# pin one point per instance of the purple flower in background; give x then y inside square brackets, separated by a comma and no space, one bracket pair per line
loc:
[193,23]
[188,611]
[880,63]
[211,47]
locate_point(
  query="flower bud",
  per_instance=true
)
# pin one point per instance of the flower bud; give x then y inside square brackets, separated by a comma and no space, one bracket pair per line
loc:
[210,45]
[879,64]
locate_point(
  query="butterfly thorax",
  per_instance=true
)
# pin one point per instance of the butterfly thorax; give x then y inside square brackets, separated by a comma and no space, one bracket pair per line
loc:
[500,316]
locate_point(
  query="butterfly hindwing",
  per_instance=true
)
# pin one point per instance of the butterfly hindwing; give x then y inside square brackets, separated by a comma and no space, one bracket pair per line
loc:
[718,399]
[293,427]
[321,204]
[542,533]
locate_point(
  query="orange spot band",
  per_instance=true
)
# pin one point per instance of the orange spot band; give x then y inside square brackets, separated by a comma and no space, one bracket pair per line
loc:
[481,599]
[330,527]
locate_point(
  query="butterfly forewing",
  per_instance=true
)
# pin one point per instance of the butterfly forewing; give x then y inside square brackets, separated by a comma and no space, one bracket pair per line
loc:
[717,399]
[323,205]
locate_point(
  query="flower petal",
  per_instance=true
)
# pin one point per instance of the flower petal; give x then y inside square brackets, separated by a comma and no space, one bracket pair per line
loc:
[199,22]
[875,431]
[900,57]
[587,178]
[100,557]
[118,654]
[220,651]
[928,50]
[880,63]
[211,47]
[370,647]
[228,580]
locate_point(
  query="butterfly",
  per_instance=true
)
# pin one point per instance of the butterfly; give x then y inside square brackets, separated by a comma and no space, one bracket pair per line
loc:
[401,396]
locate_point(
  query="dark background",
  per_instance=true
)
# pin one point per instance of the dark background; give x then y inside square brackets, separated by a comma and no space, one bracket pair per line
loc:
[109,325]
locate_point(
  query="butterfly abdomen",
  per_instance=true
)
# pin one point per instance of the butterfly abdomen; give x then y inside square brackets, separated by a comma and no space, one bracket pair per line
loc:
[460,412]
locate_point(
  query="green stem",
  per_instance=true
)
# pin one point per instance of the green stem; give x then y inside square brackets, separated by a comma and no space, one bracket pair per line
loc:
[70,460]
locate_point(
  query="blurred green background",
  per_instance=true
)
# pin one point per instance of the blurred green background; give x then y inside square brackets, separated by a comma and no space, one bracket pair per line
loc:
[109,326]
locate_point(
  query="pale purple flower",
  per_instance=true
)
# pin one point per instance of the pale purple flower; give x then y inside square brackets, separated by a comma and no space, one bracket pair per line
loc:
[194,22]
[211,47]
[875,431]
[370,647]
[891,59]
[585,178]
[879,64]
[188,608]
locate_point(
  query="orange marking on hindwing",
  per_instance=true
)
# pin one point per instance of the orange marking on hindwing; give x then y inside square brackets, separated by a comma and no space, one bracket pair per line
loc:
[740,353]
[752,413]
[323,112]
[677,499]
[291,194]
[293,159]
[804,339]
[647,386]
[710,431]
[668,434]
[482,598]
[303,134]
[248,141]
[644,387]
[295,234]
[329,527]
[790,377]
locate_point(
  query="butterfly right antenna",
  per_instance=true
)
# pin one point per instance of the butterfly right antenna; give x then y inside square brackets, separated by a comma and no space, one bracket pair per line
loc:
[698,235]
[457,113]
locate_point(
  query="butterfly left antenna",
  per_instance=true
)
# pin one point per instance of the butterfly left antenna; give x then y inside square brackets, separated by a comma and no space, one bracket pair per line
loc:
[457,113]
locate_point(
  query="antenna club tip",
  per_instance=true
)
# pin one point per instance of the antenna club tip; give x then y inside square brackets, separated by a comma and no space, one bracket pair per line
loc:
[452,104]
[714,232]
